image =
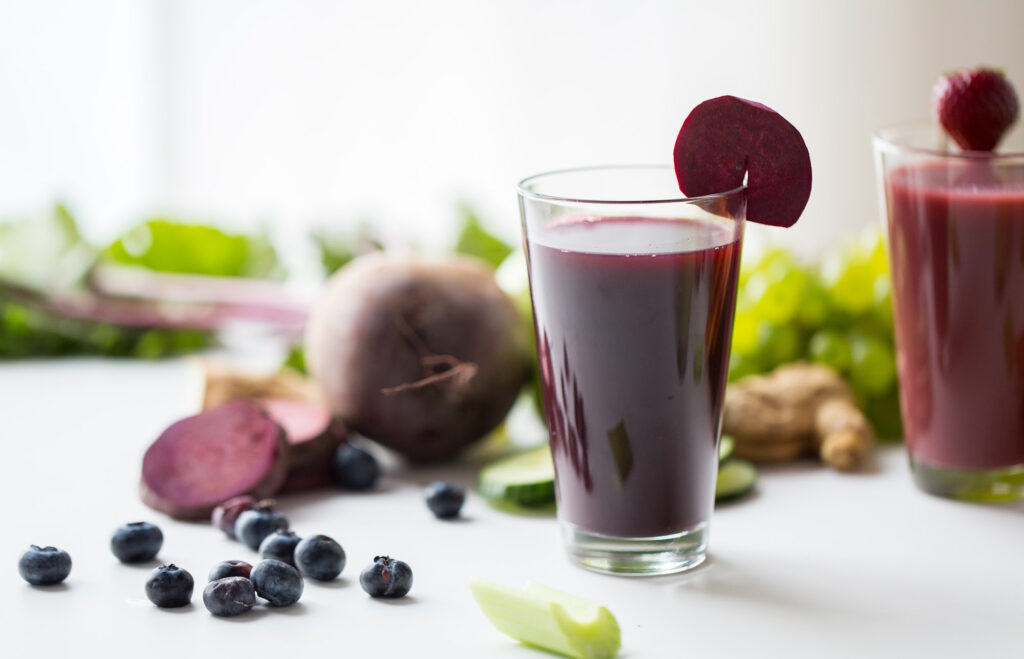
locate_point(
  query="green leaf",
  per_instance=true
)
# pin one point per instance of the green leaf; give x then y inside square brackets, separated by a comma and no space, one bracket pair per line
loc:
[295,360]
[28,331]
[169,246]
[45,252]
[337,249]
[475,240]
[45,256]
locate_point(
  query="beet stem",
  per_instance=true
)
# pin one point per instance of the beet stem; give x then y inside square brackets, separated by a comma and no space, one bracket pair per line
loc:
[461,372]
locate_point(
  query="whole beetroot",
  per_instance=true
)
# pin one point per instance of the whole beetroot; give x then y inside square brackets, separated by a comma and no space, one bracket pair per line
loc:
[422,356]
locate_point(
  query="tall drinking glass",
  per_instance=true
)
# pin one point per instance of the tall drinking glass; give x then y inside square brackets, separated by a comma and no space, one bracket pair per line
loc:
[634,288]
[956,250]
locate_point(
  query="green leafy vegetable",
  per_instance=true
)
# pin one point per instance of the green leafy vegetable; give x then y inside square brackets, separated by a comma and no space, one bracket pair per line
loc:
[165,245]
[475,240]
[45,252]
[340,247]
[43,262]
[296,360]
[34,331]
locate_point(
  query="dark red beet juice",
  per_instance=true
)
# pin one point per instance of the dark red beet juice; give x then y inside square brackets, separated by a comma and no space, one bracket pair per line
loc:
[634,318]
[957,251]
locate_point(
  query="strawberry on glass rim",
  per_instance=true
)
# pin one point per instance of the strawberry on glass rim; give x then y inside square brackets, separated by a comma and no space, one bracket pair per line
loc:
[976,107]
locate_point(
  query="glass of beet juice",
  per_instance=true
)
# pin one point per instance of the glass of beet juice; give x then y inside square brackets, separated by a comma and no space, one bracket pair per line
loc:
[956,249]
[634,287]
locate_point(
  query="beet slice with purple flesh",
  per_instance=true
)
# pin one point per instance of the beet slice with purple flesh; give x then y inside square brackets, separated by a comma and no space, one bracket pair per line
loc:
[312,439]
[203,460]
[726,137]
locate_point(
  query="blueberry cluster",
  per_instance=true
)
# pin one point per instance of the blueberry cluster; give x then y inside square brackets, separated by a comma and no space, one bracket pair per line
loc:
[288,559]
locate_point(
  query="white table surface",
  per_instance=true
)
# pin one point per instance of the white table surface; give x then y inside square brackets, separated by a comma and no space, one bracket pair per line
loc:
[815,564]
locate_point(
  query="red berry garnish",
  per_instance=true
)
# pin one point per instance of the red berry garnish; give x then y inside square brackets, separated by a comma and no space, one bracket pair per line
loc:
[976,107]
[726,137]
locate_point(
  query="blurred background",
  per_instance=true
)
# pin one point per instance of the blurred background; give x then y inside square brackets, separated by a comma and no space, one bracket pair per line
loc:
[291,115]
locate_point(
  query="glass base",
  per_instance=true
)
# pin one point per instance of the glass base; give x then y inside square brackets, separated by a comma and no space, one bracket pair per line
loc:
[987,485]
[667,554]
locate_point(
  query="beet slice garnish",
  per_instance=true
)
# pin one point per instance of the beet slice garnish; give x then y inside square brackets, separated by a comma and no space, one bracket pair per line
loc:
[726,137]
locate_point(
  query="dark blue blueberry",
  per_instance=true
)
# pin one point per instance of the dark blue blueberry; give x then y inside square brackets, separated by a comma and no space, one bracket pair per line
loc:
[319,557]
[445,499]
[355,468]
[136,542]
[280,545]
[226,569]
[386,577]
[229,596]
[44,566]
[255,524]
[278,583]
[169,586]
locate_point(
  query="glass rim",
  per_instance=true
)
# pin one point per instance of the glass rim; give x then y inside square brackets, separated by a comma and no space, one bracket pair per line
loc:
[525,192]
[885,138]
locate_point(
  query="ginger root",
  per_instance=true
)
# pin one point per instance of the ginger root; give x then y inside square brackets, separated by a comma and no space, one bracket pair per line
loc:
[222,383]
[795,410]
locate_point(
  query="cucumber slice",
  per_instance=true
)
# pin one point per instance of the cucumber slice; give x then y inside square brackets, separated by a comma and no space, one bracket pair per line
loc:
[525,479]
[550,619]
[735,478]
[725,448]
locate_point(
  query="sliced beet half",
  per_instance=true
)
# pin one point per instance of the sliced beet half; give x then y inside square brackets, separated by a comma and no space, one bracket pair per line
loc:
[726,137]
[221,453]
[312,436]
[307,479]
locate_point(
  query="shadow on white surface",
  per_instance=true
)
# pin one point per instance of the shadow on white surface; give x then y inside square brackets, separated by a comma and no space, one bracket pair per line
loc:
[255,613]
[725,578]
[144,565]
[408,600]
[188,608]
[297,609]
[334,584]
[54,588]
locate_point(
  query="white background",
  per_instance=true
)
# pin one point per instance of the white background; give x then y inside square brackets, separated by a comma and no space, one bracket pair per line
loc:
[292,114]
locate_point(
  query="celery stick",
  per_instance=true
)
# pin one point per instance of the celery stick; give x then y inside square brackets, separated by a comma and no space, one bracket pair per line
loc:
[549,619]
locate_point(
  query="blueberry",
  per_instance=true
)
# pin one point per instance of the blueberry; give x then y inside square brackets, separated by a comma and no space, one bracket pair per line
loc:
[444,499]
[229,596]
[355,468]
[136,542]
[278,583]
[44,566]
[226,514]
[280,545]
[169,586]
[386,577]
[320,558]
[253,525]
[226,569]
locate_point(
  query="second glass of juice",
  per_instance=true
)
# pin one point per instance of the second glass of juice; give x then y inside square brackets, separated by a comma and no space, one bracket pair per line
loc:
[956,247]
[634,288]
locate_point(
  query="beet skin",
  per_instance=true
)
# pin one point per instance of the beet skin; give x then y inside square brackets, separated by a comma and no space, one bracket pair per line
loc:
[421,356]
